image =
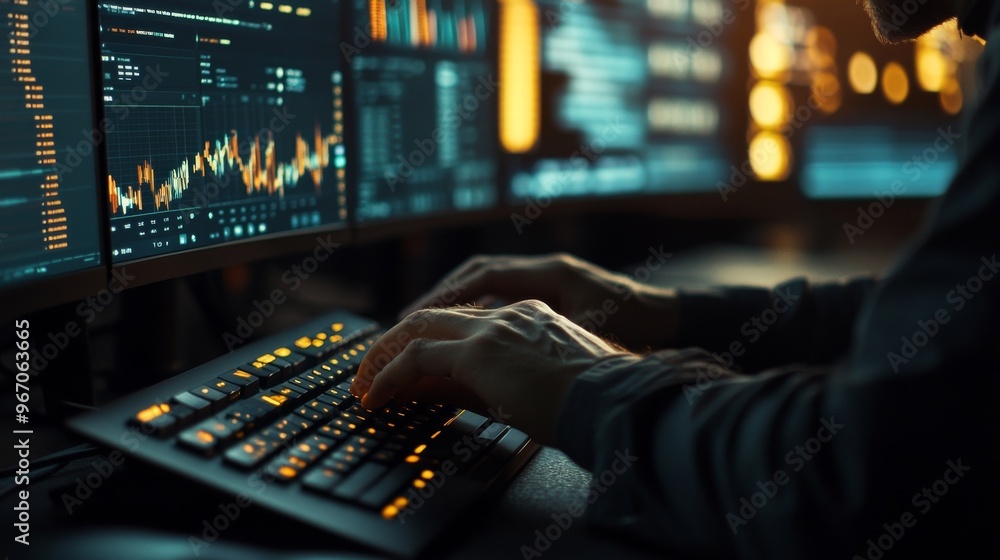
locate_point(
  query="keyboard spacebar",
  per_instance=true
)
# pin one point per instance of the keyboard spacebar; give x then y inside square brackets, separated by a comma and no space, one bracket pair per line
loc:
[356,483]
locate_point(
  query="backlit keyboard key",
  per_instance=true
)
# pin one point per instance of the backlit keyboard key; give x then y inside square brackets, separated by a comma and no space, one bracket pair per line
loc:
[249,383]
[161,426]
[389,486]
[251,413]
[286,467]
[200,406]
[333,432]
[198,440]
[269,375]
[311,448]
[218,399]
[250,453]
[321,480]
[358,481]
[231,390]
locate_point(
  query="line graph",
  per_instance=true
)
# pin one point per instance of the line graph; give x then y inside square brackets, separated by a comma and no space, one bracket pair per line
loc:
[268,161]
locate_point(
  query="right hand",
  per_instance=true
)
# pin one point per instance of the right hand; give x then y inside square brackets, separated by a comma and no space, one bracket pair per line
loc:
[520,359]
[635,315]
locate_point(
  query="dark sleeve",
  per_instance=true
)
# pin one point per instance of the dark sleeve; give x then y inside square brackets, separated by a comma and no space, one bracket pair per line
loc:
[892,454]
[756,328]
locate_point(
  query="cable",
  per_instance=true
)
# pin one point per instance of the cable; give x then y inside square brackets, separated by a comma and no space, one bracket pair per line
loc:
[35,477]
[65,455]
[81,406]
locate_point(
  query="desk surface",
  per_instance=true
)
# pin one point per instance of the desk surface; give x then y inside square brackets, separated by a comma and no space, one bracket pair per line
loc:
[550,484]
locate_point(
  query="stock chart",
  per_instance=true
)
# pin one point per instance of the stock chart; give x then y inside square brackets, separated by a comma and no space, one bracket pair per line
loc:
[225,122]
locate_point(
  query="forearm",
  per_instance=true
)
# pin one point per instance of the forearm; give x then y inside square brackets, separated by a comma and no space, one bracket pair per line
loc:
[822,461]
[757,328]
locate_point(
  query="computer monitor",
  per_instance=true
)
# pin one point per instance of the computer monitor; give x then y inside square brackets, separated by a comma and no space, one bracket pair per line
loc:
[424,108]
[846,116]
[228,131]
[50,219]
[629,97]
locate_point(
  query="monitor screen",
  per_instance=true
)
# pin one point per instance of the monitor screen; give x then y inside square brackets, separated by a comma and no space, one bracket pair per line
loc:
[631,99]
[228,121]
[49,218]
[425,93]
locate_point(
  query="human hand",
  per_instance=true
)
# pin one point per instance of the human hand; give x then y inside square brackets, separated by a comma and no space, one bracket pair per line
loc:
[520,359]
[634,314]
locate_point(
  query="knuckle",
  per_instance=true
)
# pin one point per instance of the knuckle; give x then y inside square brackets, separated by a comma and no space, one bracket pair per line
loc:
[533,306]
[479,259]
[420,315]
[564,264]
[416,346]
[562,256]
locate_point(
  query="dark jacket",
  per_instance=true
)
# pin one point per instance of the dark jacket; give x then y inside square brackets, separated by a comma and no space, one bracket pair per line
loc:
[891,452]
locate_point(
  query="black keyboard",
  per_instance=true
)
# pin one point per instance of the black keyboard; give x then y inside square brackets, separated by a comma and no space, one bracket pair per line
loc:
[275,422]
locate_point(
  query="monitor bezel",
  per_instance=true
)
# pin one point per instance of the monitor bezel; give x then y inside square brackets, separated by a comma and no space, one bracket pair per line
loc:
[42,293]
[159,268]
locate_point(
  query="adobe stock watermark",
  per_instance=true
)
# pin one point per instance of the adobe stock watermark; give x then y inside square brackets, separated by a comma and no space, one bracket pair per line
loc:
[214,187]
[223,7]
[579,161]
[896,16]
[100,471]
[87,310]
[753,329]
[711,32]
[595,318]
[914,169]
[291,279]
[923,501]
[802,114]
[122,107]
[562,521]
[104,468]
[796,459]
[216,524]
[427,147]
[46,11]
[958,297]
[465,450]
[363,37]
[554,15]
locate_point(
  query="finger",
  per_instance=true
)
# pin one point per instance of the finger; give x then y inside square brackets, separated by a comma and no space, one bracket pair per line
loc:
[500,280]
[441,390]
[431,323]
[421,358]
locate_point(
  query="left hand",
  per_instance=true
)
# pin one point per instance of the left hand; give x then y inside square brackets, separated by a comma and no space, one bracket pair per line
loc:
[519,359]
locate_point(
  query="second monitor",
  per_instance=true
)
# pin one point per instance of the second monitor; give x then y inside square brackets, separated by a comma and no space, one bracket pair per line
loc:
[425,96]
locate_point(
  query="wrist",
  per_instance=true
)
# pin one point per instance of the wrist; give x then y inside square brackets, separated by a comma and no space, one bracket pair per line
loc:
[662,310]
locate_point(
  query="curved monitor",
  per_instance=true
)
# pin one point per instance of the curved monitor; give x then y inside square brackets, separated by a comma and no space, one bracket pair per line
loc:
[50,220]
[226,131]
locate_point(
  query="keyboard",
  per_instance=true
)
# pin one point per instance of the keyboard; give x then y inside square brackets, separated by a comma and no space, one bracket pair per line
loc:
[275,422]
